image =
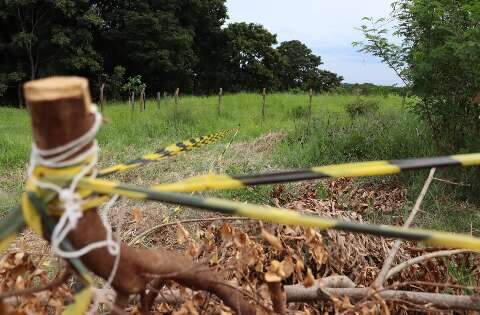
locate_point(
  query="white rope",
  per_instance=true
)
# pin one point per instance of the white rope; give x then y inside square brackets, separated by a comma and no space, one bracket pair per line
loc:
[69,199]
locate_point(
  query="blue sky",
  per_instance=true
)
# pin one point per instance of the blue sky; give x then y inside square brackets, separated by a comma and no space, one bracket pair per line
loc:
[325,26]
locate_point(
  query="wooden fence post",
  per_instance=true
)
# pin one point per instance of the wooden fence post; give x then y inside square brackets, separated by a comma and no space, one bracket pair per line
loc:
[142,99]
[264,94]
[177,91]
[133,101]
[102,88]
[20,95]
[158,100]
[310,107]
[220,95]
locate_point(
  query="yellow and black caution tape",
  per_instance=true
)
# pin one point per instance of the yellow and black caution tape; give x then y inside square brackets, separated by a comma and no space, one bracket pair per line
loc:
[280,216]
[83,296]
[10,226]
[14,223]
[171,150]
[374,168]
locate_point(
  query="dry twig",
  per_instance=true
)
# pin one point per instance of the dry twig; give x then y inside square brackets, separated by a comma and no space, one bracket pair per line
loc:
[382,276]
[422,258]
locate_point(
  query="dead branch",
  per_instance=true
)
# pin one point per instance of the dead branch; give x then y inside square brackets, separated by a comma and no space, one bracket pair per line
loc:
[446,181]
[397,285]
[382,276]
[58,281]
[425,257]
[278,297]
[298,293]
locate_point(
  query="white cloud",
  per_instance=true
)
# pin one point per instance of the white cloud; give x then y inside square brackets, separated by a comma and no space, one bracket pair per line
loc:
[327,27]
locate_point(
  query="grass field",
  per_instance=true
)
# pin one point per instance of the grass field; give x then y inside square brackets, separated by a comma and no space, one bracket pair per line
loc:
[284,140]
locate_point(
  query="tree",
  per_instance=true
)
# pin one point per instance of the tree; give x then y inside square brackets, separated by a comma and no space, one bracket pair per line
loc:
[322,80]
[147,38]
[205,19]
[440,58]
[298,68]
[297,65]
[251,57]
[115,82]
[34,33]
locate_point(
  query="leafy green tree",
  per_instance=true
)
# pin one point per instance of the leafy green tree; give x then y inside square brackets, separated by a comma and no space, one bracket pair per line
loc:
[297,64]
[205,18]
[251,57]
[440,58]
[298,68]
[147,37]
[134,84]
[115,82]
[40,38]
[322,80]
[170,43]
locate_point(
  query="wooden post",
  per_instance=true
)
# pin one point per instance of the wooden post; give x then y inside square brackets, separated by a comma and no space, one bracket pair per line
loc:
[102,88]
[177,91]
[220,95]
[158,100]
[133,101]
[20,95]
[310,107]
[264,94]
[61,112]
[142,99]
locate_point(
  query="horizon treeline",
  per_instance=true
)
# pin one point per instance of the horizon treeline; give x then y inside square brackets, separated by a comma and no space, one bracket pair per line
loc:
[175,43]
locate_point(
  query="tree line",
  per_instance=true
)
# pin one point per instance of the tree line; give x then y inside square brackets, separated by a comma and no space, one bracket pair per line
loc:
[438,59]
[168,43]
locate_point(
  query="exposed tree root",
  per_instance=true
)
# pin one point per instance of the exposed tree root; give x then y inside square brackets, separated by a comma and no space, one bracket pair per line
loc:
[136,266]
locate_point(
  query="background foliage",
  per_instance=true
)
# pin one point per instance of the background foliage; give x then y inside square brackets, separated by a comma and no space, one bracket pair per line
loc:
[181,43]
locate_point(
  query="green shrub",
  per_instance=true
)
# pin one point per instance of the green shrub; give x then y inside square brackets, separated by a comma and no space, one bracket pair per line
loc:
[361,107]
[298,112]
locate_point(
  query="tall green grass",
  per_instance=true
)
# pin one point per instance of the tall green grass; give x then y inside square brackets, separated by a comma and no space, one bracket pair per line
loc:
[331,136]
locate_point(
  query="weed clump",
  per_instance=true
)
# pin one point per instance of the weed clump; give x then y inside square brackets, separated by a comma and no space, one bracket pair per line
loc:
[298,113]
[361,107]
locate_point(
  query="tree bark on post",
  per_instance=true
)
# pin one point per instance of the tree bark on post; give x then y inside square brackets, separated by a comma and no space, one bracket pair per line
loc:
[220,95]
[177,91]
[20,95]
[132,96]
[310,106]
[142,99]
[102,88]
[264,94]
[61,112]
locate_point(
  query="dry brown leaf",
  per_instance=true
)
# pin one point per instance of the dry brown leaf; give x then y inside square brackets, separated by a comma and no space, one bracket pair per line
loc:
[272,239]
[19,283]
[287,267]
[241,239]
[226,232]
[137,214]
[309,279]
[187,309]
[182,234]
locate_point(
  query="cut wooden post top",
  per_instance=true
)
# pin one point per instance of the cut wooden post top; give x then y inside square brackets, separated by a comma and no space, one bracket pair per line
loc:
[61,109]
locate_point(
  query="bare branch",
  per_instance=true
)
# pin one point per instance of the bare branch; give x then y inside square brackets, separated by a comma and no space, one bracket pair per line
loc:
[298,293]
[382,276]
[51,285]
[425,257]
